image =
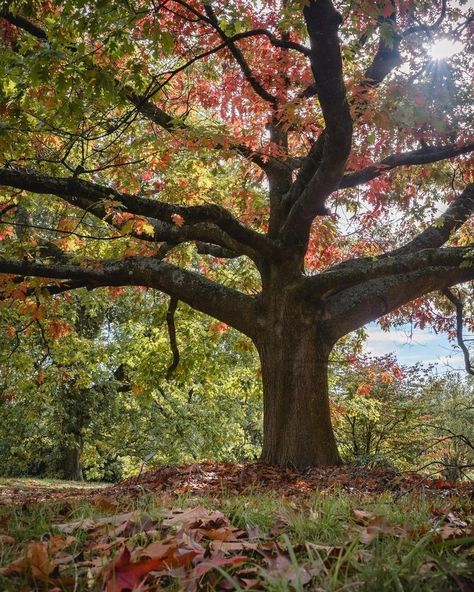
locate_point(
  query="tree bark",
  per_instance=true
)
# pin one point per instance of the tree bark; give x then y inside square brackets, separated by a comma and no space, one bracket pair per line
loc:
[294,355]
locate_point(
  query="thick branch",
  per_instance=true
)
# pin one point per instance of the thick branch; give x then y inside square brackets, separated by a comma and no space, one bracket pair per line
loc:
[93,197]
[385,60]
[322,21]
[230,306]
[364,270]
[351,309]
[414,157]
[215,251]
[22,23]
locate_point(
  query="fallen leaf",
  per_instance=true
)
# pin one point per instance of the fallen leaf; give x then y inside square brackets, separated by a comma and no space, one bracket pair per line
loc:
[89,524]
[208,565]
[198,517]
[123,574]
[231,546]
[362,515]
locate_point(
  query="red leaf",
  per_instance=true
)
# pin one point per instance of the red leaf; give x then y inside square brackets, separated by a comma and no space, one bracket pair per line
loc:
[121,574]
[177,219]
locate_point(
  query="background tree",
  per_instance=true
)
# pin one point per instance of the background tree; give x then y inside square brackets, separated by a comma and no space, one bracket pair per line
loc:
[288,144]
[380,412]
[449,419]
[85,388]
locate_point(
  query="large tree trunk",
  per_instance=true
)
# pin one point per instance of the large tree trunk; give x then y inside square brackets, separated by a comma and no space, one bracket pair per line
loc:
[294,358]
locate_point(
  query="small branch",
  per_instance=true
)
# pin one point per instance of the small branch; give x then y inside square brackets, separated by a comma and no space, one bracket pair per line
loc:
[458,304]
[67,232]
[422,28]
[142,103]
[7,209]
[170,322]
[239,57]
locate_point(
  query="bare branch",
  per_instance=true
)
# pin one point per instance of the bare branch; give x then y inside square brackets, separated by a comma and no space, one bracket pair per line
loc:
[353,308]
[170,322]
[361,271]
[215,251]
[459,306]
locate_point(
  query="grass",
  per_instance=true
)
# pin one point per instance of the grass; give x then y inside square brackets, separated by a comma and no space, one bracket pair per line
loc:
[320,542]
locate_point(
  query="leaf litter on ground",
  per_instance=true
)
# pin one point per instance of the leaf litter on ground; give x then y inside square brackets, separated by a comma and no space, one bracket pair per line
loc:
[218,543]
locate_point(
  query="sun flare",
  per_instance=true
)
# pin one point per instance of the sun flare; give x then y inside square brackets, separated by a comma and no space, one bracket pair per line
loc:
[443,49]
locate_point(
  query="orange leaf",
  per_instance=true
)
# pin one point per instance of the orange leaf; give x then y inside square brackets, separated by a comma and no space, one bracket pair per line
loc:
[122,575]
[177,219]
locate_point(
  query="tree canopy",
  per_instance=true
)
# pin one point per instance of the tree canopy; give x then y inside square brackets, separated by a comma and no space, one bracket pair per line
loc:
[294,169]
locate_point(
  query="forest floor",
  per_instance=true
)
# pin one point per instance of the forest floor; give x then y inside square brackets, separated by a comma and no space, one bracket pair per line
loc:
[221,526]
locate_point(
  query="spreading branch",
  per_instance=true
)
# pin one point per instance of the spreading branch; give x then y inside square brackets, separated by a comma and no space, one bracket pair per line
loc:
[230,306]
[94,198]
[427,155]
[363,270]
[354,307]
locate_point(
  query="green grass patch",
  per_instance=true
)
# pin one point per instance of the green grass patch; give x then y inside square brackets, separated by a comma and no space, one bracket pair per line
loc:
[323,542]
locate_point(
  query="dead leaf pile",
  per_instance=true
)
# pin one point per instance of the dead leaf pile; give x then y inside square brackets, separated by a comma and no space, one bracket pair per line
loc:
[201,550]
[130,551]
[212,478]
[215,478]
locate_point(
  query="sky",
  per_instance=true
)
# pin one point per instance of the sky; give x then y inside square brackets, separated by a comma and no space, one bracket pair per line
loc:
[412,346]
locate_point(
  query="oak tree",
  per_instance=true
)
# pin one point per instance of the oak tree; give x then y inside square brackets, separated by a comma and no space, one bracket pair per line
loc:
[293,168]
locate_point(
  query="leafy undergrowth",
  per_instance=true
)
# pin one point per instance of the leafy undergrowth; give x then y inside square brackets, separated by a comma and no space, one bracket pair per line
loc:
[259,529]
